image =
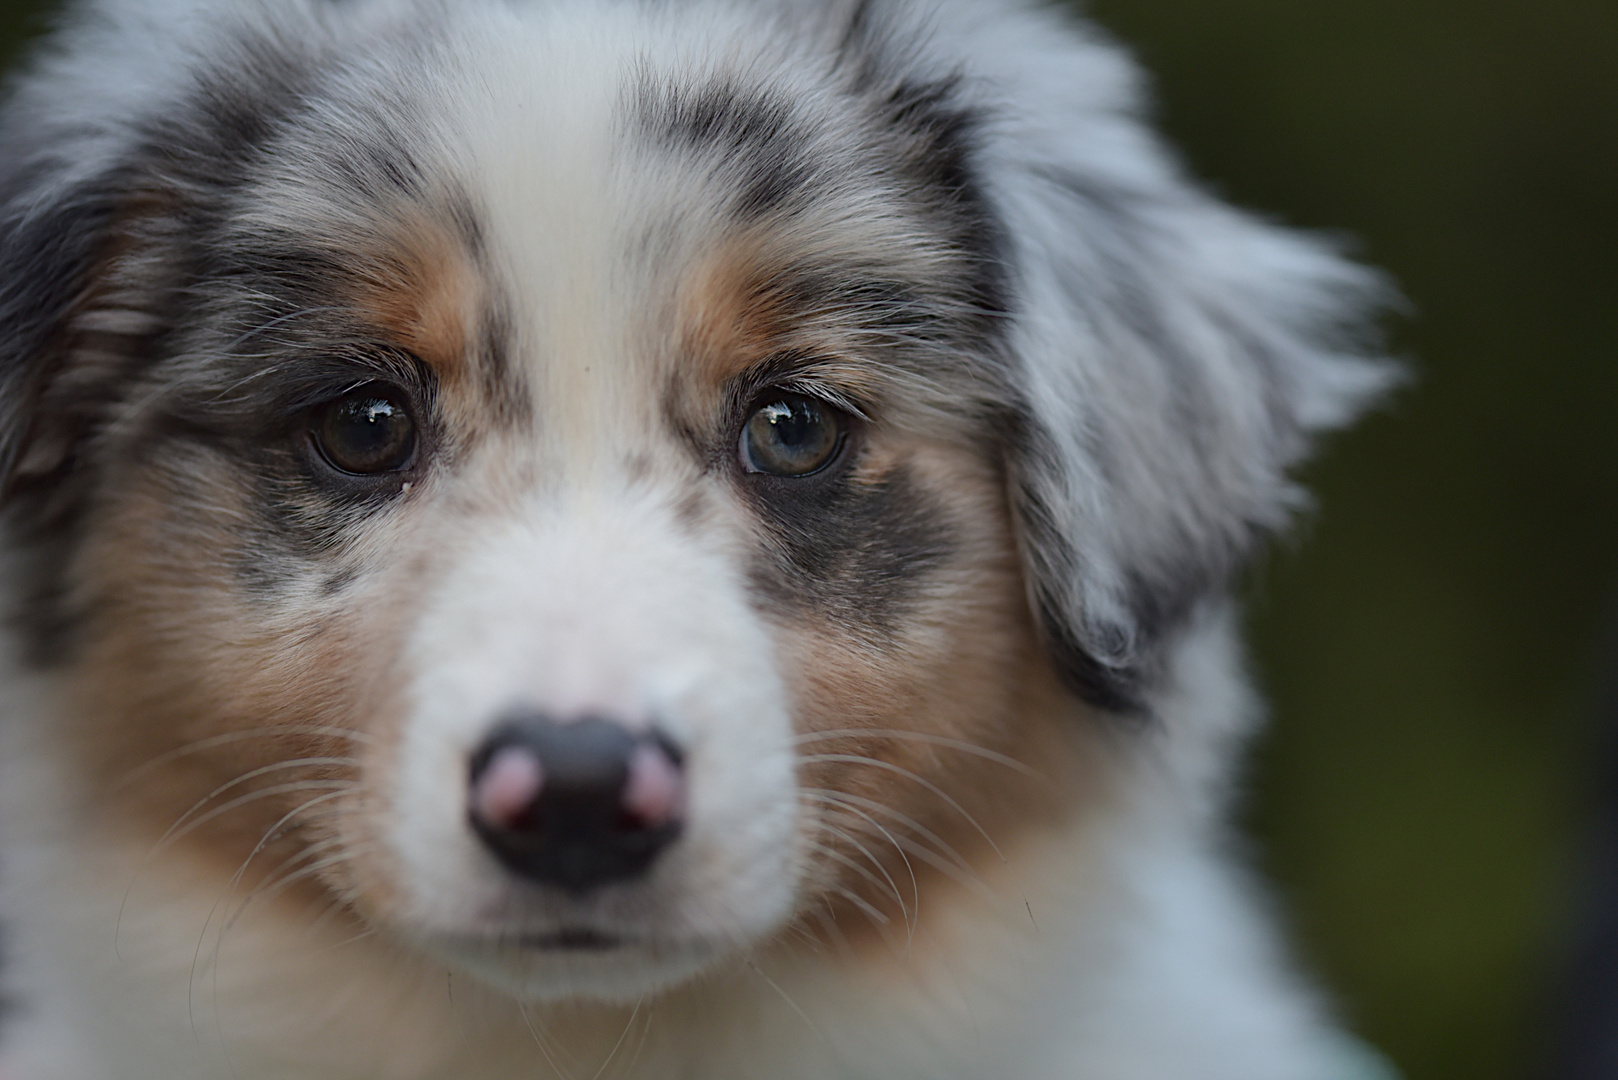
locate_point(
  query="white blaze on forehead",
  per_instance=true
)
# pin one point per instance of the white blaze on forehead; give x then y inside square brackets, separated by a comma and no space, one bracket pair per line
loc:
[562,204]
[579,593]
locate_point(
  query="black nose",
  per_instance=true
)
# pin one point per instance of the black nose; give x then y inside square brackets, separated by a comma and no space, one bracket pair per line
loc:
[576,804]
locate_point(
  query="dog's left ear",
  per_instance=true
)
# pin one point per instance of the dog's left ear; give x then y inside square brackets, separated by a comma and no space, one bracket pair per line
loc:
[1172,359]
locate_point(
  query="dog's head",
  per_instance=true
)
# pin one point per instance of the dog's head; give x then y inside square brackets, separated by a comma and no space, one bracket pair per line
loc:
[584,486]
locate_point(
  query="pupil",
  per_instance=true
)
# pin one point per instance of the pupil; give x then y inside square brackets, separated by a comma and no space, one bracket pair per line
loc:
[371,423]
[367,434]
[790,437]
[794,424]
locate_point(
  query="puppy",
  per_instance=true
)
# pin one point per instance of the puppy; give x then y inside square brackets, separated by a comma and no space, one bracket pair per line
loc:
[635,538]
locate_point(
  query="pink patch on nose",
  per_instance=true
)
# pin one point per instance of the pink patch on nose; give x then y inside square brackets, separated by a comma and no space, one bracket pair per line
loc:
[655,792]
[508,786]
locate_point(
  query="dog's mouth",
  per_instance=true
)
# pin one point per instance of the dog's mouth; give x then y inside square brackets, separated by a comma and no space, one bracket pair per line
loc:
[576,961]
[572,939]
[576,940]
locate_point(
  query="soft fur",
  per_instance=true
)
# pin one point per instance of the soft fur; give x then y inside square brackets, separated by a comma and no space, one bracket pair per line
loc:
[959,713]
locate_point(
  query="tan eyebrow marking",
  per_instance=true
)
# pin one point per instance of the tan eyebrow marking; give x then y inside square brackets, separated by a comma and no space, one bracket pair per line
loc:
[729,317]
[423,289]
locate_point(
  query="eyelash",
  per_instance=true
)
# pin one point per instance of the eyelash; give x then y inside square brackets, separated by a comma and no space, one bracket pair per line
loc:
[768,379]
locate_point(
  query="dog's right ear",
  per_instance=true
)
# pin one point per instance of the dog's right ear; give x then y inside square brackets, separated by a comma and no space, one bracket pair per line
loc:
[82,199]
[56,235]
[115,152]
[67,332]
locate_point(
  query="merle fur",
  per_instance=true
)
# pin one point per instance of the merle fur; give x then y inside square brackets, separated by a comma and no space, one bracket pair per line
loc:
[255,304]
[918,128]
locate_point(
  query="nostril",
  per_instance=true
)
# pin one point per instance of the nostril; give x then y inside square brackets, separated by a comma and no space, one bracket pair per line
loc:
[578,803]
[505,789]
[654,794]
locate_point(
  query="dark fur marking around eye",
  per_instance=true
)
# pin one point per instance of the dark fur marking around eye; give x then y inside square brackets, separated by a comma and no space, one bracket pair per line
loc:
[291,517]
[296,528]
[298,511]
[924,138]
[275,333]
[856,550]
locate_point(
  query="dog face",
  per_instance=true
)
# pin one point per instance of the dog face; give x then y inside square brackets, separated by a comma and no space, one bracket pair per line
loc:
[567,486]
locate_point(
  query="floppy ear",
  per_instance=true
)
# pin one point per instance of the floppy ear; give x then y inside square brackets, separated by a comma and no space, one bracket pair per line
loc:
[53,238]
[72,321]
[82,300]
[79,201]
[66,178]
[1173,358]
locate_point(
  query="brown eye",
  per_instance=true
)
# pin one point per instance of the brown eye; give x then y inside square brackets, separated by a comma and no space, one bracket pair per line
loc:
[366,431]
[791,436]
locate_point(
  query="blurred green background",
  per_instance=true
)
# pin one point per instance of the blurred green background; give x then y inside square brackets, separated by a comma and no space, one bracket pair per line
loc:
[1432,641]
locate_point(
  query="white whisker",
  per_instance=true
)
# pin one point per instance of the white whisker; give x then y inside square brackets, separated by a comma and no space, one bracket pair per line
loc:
[927,738]
[898,897]
[556,1068]
[828,923]
[865,907]
[215,741]
[786,997]
[831,798]
[640,1045]
[172,837]
[922,831]
[941,856]
[619,1044]
[270,891]
[225,893]
[878,763]
[837,856]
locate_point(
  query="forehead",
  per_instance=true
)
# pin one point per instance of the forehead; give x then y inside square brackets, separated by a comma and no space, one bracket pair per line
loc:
[592,203]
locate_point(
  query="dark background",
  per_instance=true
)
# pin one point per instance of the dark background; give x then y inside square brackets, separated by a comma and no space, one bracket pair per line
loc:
[1435,639]
[1433,644]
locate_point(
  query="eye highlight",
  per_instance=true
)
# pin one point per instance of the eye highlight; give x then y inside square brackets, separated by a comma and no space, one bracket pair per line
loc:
[791,435]
[366,432]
